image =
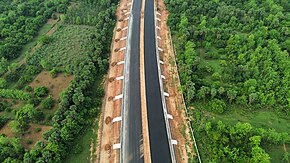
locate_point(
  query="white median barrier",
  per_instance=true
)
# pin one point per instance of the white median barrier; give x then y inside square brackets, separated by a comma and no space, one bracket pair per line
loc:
[174,142]
[166,94]
[118,97]
[162,76]
[121,62]
[120,78]
[117,146]
[161,62]
[117,119]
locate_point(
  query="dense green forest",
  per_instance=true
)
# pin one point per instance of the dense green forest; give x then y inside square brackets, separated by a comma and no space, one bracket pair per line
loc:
[233,59]
[79,47]
[21,20]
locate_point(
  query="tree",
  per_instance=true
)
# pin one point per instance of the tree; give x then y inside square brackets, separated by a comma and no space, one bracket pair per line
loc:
[78,20]
[2,83]
[10,148]
[190,89]
[41,91]
[221,91]
[45,39]
[48,102]
[3,65]
[253,97]
[259,155]
[217,106]
[232,94]
[201,94]
[213,92]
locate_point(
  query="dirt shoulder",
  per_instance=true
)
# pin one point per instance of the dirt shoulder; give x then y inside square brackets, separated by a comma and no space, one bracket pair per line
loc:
[175,104]
[108,133]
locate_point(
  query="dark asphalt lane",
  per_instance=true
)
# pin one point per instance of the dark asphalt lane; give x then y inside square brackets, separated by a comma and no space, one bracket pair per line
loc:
[132,149]
[159,145]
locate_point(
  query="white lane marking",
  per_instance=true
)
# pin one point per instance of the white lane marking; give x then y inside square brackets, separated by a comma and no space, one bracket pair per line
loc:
[161,62]
[158,19]
[117,119]
[127,13]
[118,97]
[158,37]
[157,27]
[126,18]
[160,49]
[117,146]
[124,28]
[162,76]
[158,13]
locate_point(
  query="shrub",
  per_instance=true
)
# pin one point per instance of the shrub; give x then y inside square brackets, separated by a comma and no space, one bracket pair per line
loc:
[41,91]
[217,106]
[2,83]
[38,129]
[3,106]
[34,101]
[29,141]
[47,103]
[28,88]
[3,121]
[53,72]
[45,39]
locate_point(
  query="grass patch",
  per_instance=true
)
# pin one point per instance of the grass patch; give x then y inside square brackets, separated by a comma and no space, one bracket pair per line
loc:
[263,119]
[69,46]
[276,152]
[257,118]
[81,151]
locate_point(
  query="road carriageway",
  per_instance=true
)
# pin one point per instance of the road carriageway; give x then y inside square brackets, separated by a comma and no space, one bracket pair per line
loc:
[131,139]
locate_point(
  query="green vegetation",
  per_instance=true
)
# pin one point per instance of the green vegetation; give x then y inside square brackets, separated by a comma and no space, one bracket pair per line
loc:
[79,49]
[64,53]
[81,151]
[20,21]
[233,60]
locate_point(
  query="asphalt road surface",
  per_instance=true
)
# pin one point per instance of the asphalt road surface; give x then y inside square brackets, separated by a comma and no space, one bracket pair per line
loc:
[132,130]
[159,145]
